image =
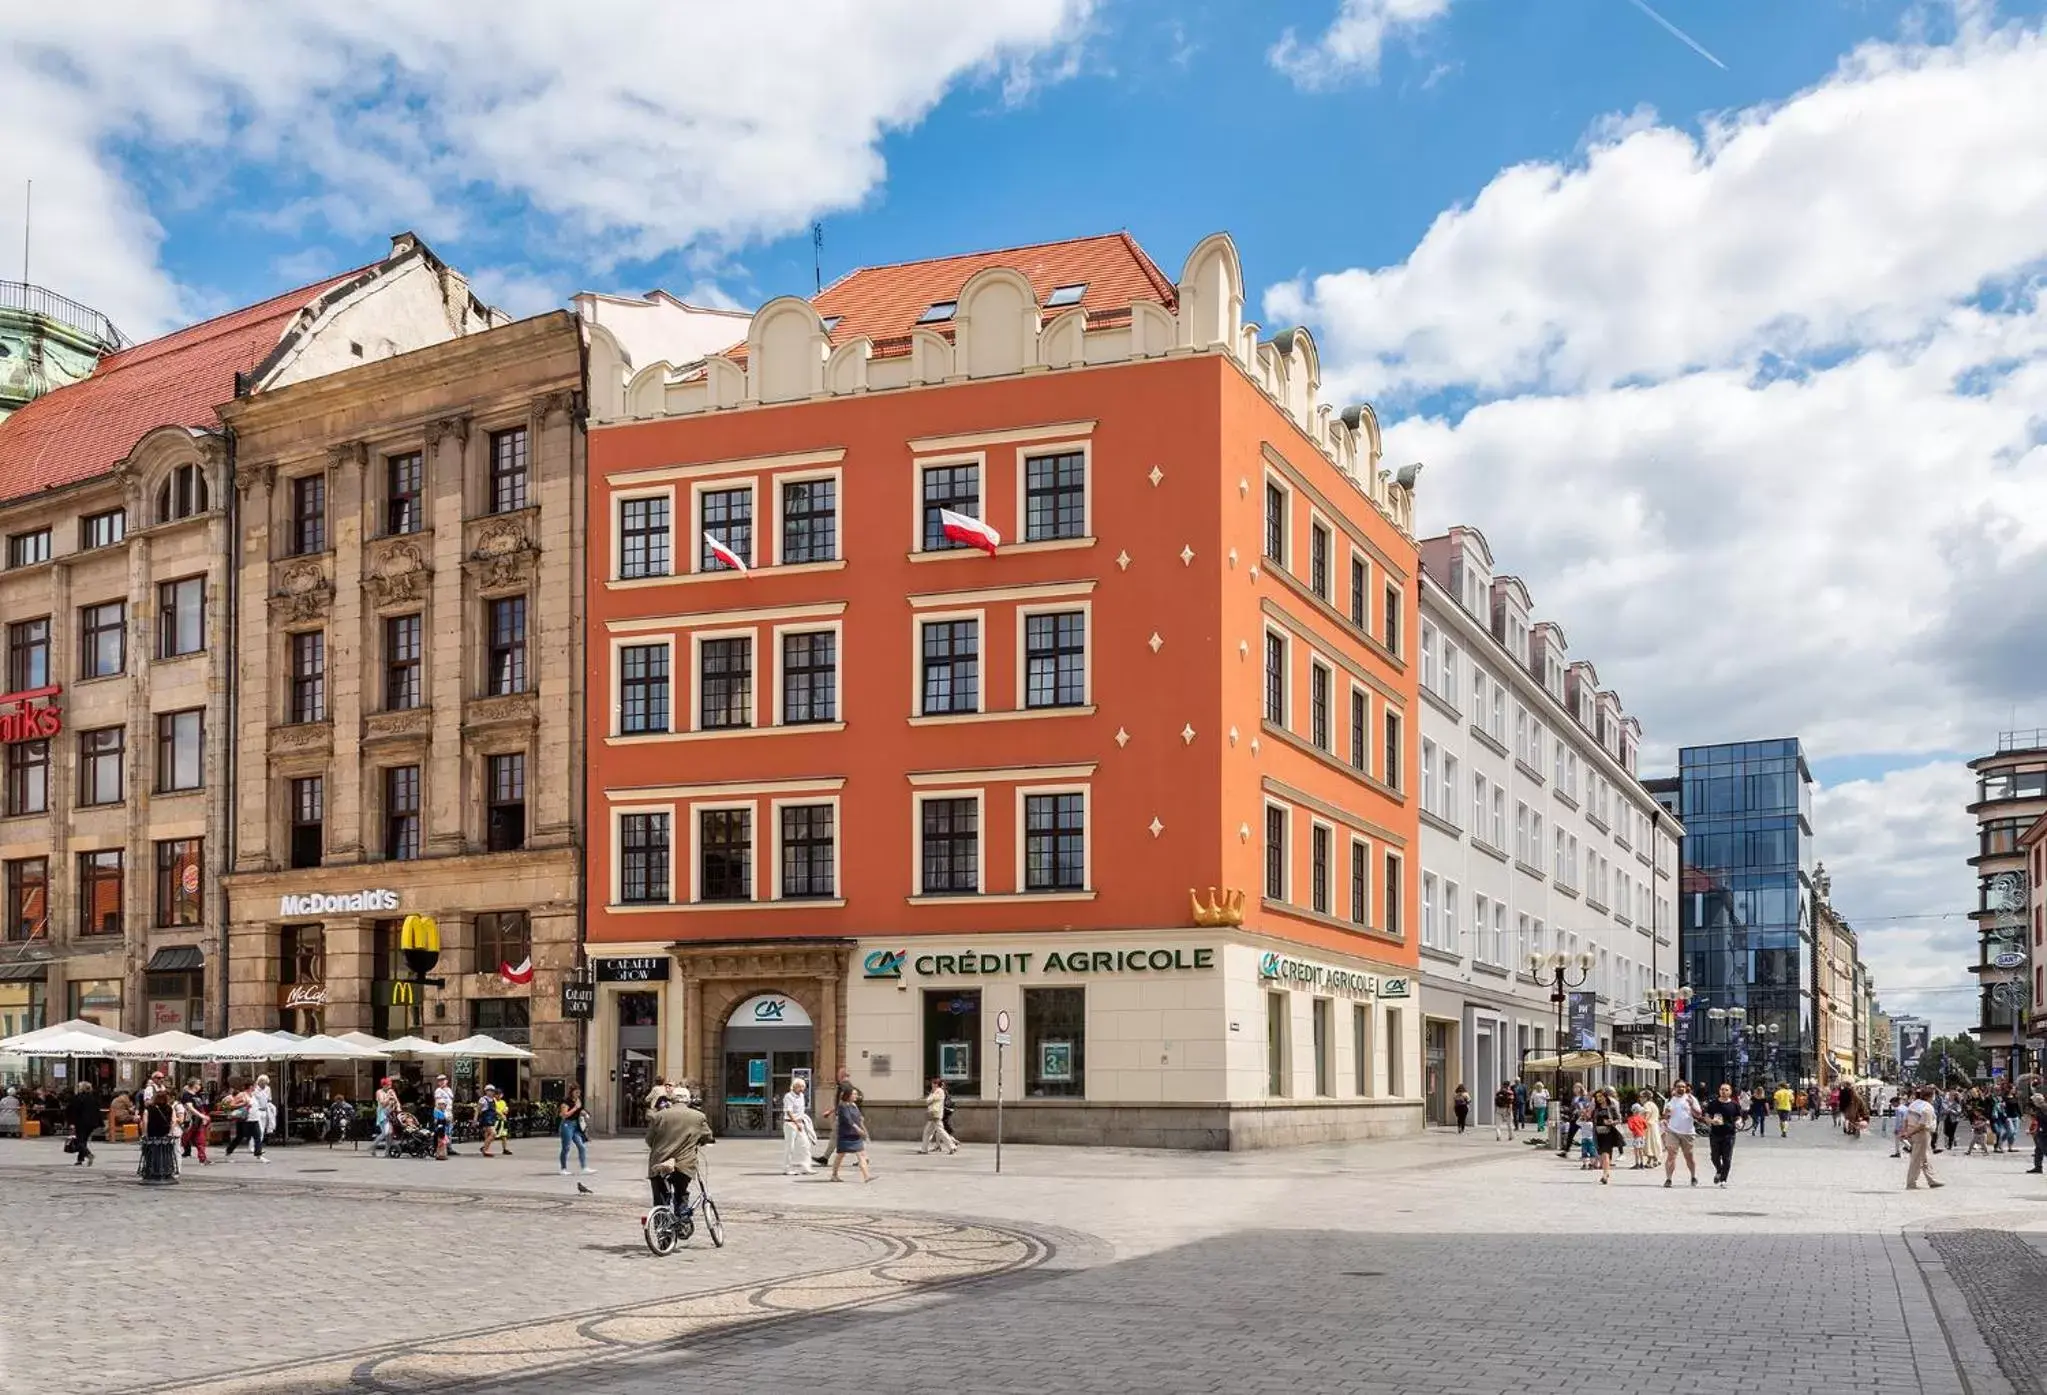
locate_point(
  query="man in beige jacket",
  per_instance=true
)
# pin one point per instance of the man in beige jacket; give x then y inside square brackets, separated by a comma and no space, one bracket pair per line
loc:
[935,1135]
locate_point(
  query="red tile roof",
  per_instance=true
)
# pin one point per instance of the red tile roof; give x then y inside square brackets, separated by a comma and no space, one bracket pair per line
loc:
[86,428]
[885,302]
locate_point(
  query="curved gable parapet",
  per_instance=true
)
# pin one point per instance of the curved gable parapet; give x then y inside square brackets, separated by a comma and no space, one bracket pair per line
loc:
[846,370]
[1211,295]
[1585,673]
[1556,631]
[1485,549]
[995,324]
[645,394]
[1519,592]
[1153,330]
[611,369]
[162,448]
[786,347]
[1063,342]
[931,357]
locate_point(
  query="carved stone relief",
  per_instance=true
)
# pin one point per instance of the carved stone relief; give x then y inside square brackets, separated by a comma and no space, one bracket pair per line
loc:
[398,573]
[303,592]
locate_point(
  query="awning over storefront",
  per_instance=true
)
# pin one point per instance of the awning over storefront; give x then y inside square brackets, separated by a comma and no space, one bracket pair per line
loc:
[24,973]
[177,959]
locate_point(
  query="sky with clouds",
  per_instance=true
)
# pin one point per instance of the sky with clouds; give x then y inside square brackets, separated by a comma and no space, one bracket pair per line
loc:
[1722,320]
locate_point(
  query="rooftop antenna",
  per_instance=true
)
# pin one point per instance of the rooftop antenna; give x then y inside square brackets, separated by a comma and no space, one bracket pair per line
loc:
[817,255]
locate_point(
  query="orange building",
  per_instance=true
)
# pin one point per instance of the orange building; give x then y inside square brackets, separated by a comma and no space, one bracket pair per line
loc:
[1118,812]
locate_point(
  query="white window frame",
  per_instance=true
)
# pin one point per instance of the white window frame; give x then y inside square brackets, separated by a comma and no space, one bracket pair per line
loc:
[1360,847]
[836,628]
[1358,559]
[918,798]
[1452,936]
[928,462]
[1449,787]
[1329,828]
[1286,526]
[619,499]
[1286,675]
[696,680]
[837,475]
[1286,861]
[1428,791]
[1317,662]
[1087,838]
[775,807]
[1431,924]
[697,490]
[1431,678]
[1086,608]
[1481,917]
[697,810]
[1449,692]
[1316,519]
[1086,448]
[918,620]
[617,704]
[618,813]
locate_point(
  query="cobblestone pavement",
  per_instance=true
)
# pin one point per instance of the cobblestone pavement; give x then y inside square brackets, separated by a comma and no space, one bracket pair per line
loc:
[2003,1277]
[1433,1264]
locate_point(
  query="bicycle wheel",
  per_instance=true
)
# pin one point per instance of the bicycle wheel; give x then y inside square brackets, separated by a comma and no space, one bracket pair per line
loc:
[658,1229]
[712,1224]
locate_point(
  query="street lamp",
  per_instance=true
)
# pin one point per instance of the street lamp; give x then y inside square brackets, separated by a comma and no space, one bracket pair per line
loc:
[1662,1001]
[1736,1015]
[1564,972]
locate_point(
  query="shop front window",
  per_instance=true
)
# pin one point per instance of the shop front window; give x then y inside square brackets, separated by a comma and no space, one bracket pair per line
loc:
[952,1040]
[1055,1043]
[95,1000]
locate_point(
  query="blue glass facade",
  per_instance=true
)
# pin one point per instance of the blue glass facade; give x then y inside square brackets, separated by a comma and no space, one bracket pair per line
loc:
[1745,936]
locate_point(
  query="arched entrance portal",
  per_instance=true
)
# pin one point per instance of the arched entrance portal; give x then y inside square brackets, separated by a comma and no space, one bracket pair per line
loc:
[769,1040]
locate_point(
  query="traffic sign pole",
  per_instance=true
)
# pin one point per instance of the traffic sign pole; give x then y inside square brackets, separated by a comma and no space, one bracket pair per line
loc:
[1001,1050]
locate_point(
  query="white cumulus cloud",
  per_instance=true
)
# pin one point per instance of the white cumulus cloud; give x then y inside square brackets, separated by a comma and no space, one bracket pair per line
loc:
[1354,41]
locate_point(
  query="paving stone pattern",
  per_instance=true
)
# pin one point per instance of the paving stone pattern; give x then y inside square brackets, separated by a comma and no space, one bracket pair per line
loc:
[2004,1279]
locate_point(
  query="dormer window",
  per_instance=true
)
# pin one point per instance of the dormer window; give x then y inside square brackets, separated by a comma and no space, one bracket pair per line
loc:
[182,494]
[938,312]
[1063,296]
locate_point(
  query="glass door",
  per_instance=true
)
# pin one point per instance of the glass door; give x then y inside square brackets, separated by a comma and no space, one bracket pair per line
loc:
[748,1109]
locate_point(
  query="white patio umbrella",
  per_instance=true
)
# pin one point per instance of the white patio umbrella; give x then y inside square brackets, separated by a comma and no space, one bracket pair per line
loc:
[250,1046]
[376,1046]
[26,1043]
[486,1048]
[68,1042]
[414,1046]
[325,1048]
[164,1046]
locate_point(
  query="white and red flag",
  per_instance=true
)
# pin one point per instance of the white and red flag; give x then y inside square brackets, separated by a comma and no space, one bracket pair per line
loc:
[969,531]
[725,554]
[522,974]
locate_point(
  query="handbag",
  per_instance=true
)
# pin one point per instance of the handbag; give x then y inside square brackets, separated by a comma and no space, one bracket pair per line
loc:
[70,1145]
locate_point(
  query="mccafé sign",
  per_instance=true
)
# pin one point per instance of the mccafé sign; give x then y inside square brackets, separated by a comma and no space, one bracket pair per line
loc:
[343,903]
[32,715]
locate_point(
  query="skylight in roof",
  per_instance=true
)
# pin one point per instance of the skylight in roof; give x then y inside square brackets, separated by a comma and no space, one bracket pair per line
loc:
[831,322]
[1066,295]
[938,312]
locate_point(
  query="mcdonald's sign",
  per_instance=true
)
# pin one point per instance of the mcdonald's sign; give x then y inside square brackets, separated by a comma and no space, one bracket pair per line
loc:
[419,938]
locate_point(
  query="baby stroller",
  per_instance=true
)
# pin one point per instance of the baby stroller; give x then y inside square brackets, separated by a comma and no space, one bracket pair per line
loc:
[409,1140]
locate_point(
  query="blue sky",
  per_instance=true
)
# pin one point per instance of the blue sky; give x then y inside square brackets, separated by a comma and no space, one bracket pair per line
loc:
[1737,363]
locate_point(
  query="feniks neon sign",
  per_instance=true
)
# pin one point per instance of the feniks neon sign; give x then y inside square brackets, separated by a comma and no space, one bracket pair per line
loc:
[31,715]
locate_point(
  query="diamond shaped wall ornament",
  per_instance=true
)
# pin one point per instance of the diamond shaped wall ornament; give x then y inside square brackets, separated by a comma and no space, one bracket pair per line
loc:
[1233,736]
[1155,476]
[1243,487]
[1254,745]
[1187,733]
[1243,648]
[1123,561]
[1233,559]
[1187,555]
[1122,737]
[1155,642]
[1155,826]
[1243,833]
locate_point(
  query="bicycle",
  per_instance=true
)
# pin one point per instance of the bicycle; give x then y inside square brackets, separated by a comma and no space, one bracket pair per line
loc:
[664,1227]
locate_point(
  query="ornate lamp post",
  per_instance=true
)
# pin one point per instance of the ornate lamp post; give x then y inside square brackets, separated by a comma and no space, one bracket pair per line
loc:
[1564,972]
[1661,1002]
[1737,1016]
[2012,893]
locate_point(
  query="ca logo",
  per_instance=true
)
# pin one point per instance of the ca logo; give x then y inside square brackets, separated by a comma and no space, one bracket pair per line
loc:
[883,963]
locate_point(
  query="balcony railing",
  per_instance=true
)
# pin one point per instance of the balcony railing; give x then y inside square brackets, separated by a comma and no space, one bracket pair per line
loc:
[2032,740]
[37,300]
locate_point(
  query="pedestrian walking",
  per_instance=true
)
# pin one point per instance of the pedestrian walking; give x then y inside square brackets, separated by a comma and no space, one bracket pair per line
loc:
[1538,1107]
[1503,1113]
[1854,1113]
[570,1124]
[1723,1121]
[444,1117]
[1638,1135]
[1759,1110]
[852,1134]
[1460,1105]
[1783,1101]
[1680,1129]
[1652,1136]
[198,1119]
[2036,1120]
[935,1133]
[1520,1104]
[236,1103]
[1607,1135]
[1949,1113]
[387,1117]
[262,1116]
[1979,1126]
[487,1120]
[799,1135]
[1918,1127]
[85,1121]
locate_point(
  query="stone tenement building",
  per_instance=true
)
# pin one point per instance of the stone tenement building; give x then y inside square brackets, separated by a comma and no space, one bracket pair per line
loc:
[407,703]
[115,599]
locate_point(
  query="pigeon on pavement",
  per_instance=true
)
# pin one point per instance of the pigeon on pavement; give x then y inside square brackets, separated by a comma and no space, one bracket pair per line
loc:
[584,1190]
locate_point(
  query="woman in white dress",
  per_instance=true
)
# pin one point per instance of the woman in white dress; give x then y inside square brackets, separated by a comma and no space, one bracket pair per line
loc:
[1652,1114]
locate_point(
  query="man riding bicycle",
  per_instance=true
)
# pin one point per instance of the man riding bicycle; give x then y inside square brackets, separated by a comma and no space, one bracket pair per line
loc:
[676,1133]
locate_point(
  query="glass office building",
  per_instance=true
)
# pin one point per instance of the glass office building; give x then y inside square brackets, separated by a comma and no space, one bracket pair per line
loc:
[1745,931]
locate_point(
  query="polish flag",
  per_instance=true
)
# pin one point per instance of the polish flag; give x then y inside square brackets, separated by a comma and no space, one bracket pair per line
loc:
[522,974]
[961,528]
[725,554]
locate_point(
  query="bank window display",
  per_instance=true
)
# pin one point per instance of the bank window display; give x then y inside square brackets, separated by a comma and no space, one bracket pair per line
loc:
[810,521]
[643,858]
[28,777]
[950,837]
[307,698]
[1055,842]
[508,470]
[1055,659]
[28,899]
[810,677]
[179,870]
[725,684]
[309,515]
[949,489]
[1322,1015]
[503,939]
[402,657]
[95,1000]
[642,688]
[102,639]
[725,855]
[728,521]
[180,750]
[308,820]
[807,834]
[401,813]
[505,672]
[28,655]
[1055,1043]
[404,483]
[102,761]
[504,782]
[99,892]
[950,652]
[1276,1074]
[952,1040]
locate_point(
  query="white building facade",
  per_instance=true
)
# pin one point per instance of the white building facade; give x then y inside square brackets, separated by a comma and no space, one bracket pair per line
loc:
[1537,836]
